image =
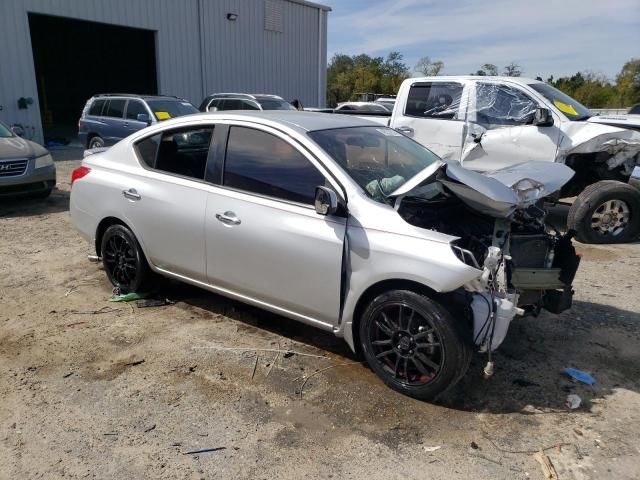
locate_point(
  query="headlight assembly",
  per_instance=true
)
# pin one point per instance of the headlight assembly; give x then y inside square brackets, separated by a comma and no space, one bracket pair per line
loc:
[44,161]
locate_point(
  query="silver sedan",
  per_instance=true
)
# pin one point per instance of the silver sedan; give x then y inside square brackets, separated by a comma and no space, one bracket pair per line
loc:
[337,222]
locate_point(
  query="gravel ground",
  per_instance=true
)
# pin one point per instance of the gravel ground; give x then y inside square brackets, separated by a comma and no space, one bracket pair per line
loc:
[92,389]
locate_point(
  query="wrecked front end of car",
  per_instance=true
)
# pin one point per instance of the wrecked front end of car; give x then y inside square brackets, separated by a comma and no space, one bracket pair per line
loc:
[524,263]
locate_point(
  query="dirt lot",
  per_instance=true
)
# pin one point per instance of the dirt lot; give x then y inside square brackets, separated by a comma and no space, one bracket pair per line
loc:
[92,389]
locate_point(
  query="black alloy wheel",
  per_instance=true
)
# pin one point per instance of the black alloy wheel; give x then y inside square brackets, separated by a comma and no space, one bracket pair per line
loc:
[124,260]
[413,344]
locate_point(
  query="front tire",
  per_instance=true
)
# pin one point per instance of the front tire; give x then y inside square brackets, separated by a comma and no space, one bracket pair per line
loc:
[413,344]
[606,212]
[124,260]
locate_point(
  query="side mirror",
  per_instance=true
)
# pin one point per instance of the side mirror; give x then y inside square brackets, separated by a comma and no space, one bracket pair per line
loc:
[144,117]
[326,202]
[542,117]
[18,130]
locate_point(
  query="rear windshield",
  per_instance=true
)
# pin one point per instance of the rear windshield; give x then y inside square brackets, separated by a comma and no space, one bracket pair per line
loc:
[4,131]
[272,104]
[166,109]
[570,108]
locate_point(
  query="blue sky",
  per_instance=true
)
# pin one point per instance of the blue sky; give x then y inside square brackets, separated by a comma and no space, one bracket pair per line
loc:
[545,37]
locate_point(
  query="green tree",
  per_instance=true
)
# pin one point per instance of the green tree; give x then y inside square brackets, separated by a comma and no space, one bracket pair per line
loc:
[628,83]
[349,75]
[490,69]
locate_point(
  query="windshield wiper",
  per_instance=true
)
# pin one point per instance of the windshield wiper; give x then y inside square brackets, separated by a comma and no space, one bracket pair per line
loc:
[582,118]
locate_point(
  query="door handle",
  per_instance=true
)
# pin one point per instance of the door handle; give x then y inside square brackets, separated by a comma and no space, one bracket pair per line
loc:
[228,218]
[131,194]
[408,131]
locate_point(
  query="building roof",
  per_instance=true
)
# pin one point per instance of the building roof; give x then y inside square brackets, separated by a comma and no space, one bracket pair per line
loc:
[312,4]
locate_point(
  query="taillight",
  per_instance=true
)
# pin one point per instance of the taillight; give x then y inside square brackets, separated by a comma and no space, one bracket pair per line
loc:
[79,173]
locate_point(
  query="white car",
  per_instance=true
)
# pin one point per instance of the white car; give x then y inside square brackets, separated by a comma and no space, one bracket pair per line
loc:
[487,123]
[336,222]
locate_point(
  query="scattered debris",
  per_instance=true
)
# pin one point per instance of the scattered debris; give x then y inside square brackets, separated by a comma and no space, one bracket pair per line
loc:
[274,360]
[580,376]
[74,324]
[70,291]
[204,450]
[94,258]
[504,450]
[578,432]
[432,449]
[154,302]
[95,312]
[288,353]
[134,363]
[522,382]
[111,433]
[548,469]
[128,297]
[150,428]
[573,401]
[255,365]
[474,446]
[307,377]
[67,375]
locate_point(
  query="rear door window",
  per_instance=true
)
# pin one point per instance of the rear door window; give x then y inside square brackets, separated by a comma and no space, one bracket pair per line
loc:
[115,108]
[181,151]
[238,104]
[96,107]
[135,108]
[434,100]
[259,162]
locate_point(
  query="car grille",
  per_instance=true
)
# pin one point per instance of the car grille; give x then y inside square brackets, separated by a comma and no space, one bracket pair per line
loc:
[13,168]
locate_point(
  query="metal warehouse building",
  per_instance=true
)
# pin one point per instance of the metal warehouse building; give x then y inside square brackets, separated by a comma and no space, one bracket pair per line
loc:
[57,53]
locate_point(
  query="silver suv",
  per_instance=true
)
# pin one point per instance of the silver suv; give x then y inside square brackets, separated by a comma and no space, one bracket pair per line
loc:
[336,222]
[243,101]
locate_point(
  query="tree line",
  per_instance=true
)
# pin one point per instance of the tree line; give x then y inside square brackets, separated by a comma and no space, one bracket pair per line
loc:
[348,76]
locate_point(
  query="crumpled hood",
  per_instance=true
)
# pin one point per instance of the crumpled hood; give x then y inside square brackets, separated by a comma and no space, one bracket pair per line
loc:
[592,136]
[17,147]
[501,192]
[498,193]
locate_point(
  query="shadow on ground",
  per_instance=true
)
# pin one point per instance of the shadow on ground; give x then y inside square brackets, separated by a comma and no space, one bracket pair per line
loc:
[23,206]
[529,376]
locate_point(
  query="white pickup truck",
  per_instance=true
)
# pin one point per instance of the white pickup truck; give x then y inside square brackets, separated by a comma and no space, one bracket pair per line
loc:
[487,123]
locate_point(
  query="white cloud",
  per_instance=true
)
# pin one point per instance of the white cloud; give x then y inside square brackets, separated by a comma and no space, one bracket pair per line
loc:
[546,36]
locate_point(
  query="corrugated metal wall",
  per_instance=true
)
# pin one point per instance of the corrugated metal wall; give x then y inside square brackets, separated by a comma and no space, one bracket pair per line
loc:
[239,55]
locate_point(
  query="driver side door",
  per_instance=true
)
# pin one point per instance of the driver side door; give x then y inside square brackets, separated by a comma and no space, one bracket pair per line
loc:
[500,132]
[265,242]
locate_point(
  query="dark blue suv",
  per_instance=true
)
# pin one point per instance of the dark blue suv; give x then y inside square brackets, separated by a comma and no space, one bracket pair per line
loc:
[108,118]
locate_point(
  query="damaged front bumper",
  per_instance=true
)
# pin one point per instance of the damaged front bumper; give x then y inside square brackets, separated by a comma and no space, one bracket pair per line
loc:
[520,275]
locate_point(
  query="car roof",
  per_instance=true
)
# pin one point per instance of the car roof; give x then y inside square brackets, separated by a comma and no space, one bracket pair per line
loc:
[520,80]
[250,96]
[297,120]
[137,95]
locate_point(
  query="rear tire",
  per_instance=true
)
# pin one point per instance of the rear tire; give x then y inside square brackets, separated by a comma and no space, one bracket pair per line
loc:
[413,344]
[606,212]
[124,260]
[95,142]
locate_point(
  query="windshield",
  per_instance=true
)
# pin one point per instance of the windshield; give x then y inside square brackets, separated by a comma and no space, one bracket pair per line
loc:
[4,131]
[569,107]
[378,159]
[166,109]
[273,104]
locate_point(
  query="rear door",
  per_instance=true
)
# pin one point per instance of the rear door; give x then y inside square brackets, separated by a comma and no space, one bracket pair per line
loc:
[433,114]
[501,131]
[113,117]
[166,201]
[265,240]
